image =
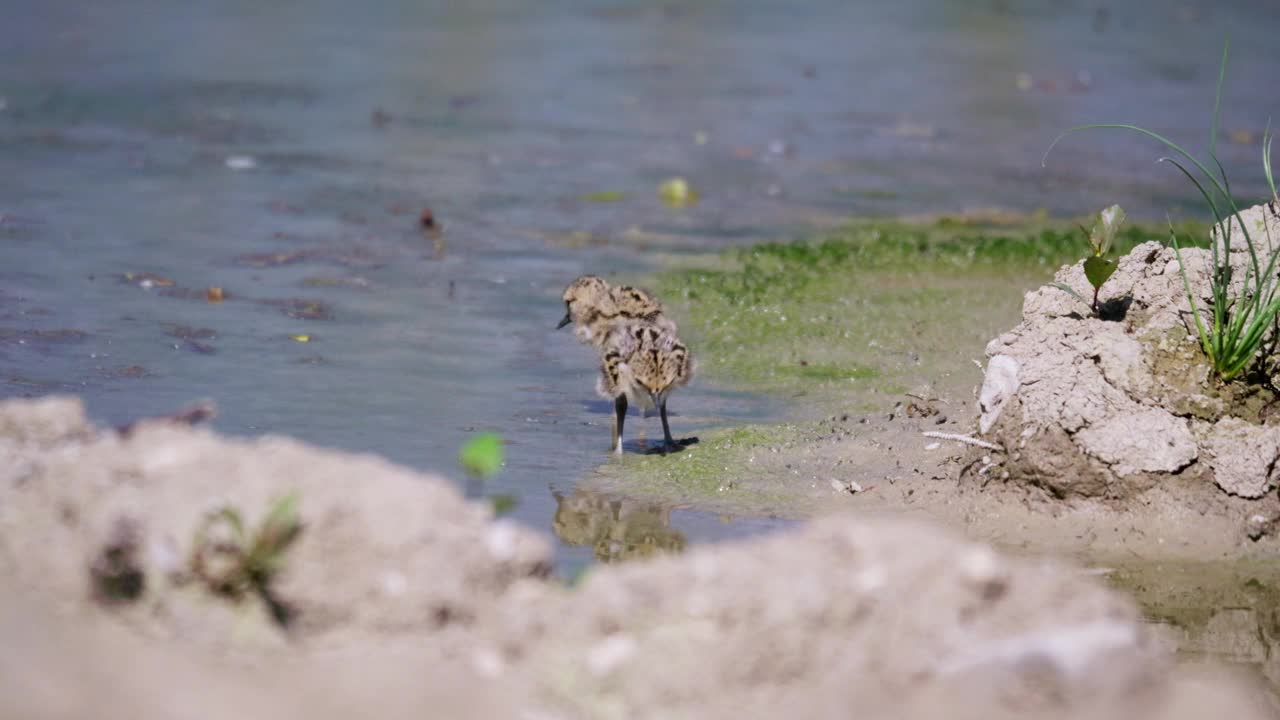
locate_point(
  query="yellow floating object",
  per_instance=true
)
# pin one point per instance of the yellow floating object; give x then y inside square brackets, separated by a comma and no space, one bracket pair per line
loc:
[677,193]
[300,338]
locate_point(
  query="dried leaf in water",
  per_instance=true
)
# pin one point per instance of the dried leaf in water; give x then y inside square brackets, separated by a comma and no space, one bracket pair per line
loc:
[268,260]
[602,196]
[146,281]
[186,332]
[302,308]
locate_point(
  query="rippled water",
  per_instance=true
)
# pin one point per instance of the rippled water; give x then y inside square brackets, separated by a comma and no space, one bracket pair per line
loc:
[123,126]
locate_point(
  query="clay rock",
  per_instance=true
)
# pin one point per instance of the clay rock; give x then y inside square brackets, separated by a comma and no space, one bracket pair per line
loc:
[1260,223]
[1109,406]
[998,385]
[1150,440]
[1243,457]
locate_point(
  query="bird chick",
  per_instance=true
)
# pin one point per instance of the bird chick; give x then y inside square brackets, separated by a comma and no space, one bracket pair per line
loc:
[643,363]
[641,356]
[593,306]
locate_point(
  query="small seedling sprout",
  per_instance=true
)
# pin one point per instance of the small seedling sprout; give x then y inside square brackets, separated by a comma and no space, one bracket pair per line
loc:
[233,562]
[1098,268]
[481,458]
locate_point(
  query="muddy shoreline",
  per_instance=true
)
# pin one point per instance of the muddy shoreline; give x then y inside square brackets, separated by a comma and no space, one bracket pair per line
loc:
[1183,547]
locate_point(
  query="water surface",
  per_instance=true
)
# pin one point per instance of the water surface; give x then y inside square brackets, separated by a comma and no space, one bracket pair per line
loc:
[283,154]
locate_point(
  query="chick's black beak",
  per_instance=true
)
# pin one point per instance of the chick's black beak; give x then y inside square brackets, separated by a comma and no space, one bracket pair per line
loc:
[564,321]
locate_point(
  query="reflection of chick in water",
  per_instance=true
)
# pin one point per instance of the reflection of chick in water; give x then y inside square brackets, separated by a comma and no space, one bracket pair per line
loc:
[615,529]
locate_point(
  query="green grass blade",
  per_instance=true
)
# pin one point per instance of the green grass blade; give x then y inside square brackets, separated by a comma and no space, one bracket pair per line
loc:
[1143,131]
[231,516]
[1226,184]
[1219,289]
[1070,291]
[1217,100]
[1191,297]
[1267,137]
[1213,206]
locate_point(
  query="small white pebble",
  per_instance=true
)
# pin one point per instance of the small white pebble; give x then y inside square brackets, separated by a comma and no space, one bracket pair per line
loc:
[165,556]
[980,566]
[871,579]
[241,162]
[394,584]
[500,540]
[933,446]
[610,653]
[488,662]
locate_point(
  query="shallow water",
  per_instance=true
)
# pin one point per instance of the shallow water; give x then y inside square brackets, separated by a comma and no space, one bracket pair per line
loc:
[122,128]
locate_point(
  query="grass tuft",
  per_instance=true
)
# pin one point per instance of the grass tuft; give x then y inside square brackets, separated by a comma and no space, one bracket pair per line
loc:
[233,562]
[1232,328]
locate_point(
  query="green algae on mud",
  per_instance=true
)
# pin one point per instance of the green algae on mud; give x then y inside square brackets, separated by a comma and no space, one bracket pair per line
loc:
[715,473]
[861,314]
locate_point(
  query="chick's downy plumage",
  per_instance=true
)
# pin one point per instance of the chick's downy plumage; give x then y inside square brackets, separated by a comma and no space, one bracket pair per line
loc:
[643,362]
[641,358]
[594,306]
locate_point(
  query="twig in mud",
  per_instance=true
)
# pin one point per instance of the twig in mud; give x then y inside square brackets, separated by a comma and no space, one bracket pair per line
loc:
[962,438]
[193,415]
[923,399]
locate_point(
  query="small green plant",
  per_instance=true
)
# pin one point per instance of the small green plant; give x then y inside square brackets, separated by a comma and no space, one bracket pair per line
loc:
[1098,267]
[231,561]
[1237,318]
[503,503]
[481,456]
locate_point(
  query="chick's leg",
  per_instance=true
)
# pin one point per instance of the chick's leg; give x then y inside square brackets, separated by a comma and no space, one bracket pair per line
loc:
[620,416]
[668,444]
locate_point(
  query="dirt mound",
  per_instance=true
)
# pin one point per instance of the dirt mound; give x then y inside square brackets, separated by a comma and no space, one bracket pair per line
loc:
[894,618]
[382,549]
[407,597]
[1111,406]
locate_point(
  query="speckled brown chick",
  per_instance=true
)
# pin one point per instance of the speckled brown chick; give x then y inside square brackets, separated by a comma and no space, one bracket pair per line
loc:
[641,357]
[593,306]
[643,363]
